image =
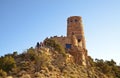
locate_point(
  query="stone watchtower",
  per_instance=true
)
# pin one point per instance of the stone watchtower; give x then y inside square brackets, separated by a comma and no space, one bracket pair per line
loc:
[75,30]
[74,42]
[75,33]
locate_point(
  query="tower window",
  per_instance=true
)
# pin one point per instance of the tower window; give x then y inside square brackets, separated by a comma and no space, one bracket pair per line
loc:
[79,40]
[71,21]
[76,20]
[68,46]
[73,33]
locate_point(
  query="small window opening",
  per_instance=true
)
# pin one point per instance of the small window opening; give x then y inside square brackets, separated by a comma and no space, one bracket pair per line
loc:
[68,46]
[79,40]
[76,20]
[71,21]
[73,33]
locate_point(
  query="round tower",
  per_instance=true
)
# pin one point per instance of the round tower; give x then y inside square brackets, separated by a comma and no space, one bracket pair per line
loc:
[74,26]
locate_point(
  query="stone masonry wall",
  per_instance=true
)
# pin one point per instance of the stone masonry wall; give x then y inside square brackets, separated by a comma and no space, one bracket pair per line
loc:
[62,40]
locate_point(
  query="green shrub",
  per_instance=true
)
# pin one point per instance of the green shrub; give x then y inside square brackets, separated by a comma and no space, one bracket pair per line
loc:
[3,74]
[109,68]
[51,68]
[7,63]
[31,54]
[55,45]
[41,60]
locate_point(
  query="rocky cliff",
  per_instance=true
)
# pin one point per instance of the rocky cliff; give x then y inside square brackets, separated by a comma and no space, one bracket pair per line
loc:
[51,61]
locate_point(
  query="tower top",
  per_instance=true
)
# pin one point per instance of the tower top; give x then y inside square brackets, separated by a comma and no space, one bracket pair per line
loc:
[74,17]
[73,20]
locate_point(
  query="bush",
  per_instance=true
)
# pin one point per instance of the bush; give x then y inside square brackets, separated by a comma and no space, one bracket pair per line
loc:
[7,63]
[3,74]
[51,68]
[108,67]
[31,53]
[41,60]
[55,45]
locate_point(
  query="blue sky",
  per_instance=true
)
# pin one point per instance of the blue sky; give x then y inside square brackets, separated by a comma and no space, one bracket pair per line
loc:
[25,22]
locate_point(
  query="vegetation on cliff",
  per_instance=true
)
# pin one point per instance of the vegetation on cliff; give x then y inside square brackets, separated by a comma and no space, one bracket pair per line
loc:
[52,61]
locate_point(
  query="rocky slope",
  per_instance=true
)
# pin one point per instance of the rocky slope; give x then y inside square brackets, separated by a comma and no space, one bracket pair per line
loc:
[47,63]
[51,62]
